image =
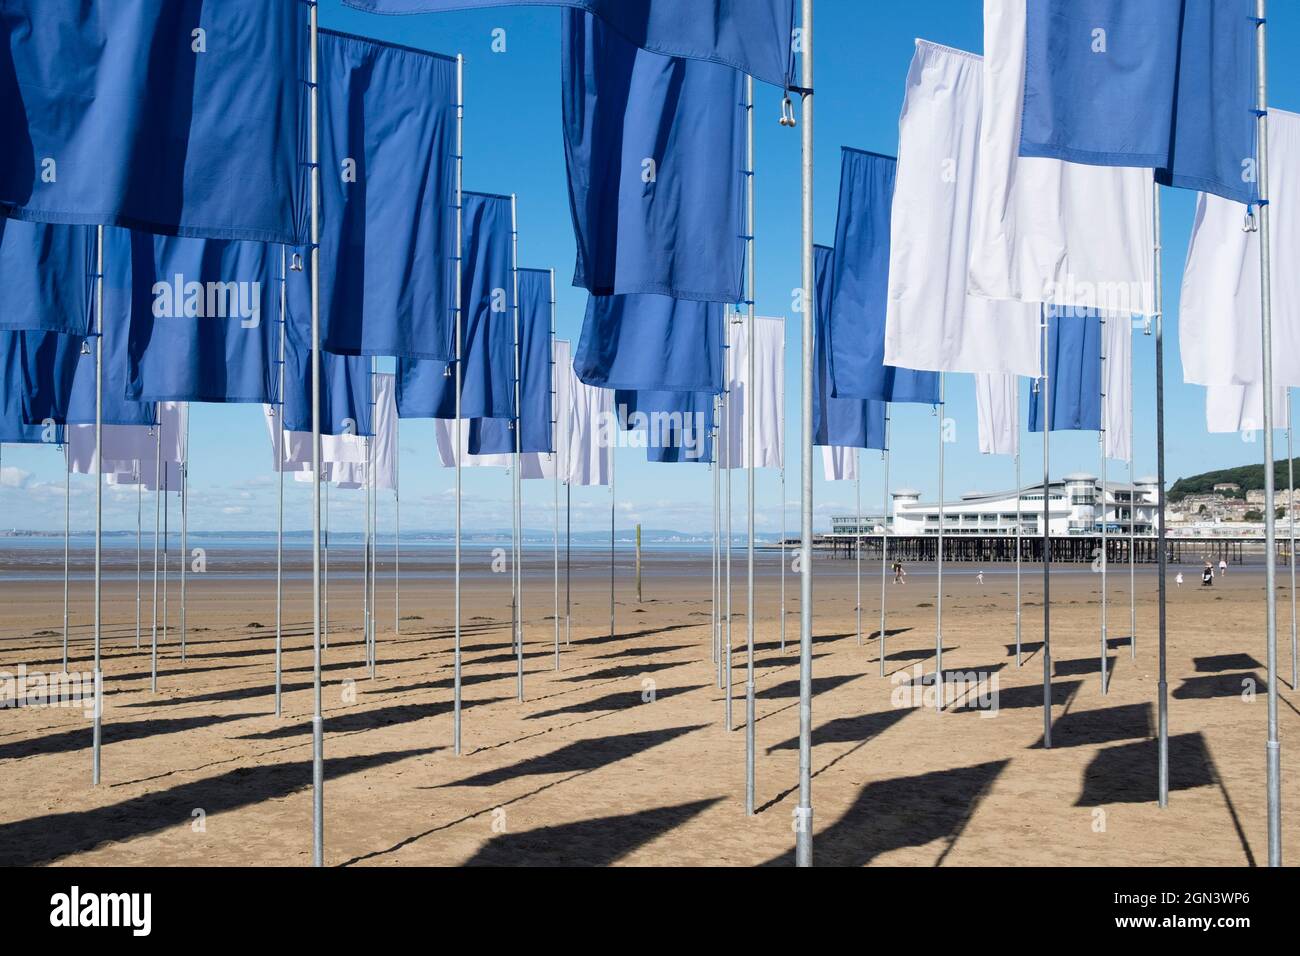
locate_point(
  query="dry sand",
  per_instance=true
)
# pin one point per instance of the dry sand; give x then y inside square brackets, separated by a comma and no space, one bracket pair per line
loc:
[587,772]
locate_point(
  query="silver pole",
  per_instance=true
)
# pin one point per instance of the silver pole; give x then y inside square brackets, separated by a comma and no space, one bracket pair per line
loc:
[716,593]
[317,722]
[460,219]
[1105,555]
[157,502]
[726,413]
[166,545]
[1162,684]
[1132,525]
[1274,747]
[1290,526]
[1019,523]
[139,534]
[99,502]
[67,497]
[325,575]
[938,630]
[857,541]
[397,551]
[372,536]
[279,520]
[1045,385]
[568,562]
[611,541]
[185,524]
[884,541]
[804,811]
[555,441]
[750,407]
[783,453]
[516,486]
[365,552]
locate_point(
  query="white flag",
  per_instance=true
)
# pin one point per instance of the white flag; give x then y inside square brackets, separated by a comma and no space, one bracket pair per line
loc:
[998,407]
[1219,313]
[1117,340]
[767,395]
[297,446]
[591,417]
[840,463]
[1046,230]
[931,323]
[126,444]
[383,447]
[1240,408]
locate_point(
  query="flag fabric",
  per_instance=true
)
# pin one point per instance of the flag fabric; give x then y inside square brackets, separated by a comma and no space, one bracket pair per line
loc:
[651,343]
[1073,374]
[496,435]
[1117,339]
[204,318]
[996,403]
[144,473]
[293,452]
[388,199]
[860,288]
[1240,408]
[851,422]
[931,322]
[672,426]
[424,389]
[345,387]
[126,445]
[384,446]
[15,427]
[1046,230]
[1163,84]
[753,36]
[591,425]
[655,148]
[532,465]
[177,118]
[840,463]
[766,394]
[47,274]
[1219,310]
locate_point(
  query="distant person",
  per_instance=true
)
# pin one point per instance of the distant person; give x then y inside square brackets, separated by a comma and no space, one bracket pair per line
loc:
[1207,575]
[980,577]
[899,573]
[1223,567]
[1179,579]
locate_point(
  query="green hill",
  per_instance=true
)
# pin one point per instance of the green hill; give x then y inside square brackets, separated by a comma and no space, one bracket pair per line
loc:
[1249,477]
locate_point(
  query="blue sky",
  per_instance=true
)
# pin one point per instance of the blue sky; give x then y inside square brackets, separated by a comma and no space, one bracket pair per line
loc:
[513,144]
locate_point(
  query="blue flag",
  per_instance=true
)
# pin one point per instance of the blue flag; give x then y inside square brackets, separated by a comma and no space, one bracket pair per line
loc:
[1074,373]
[494,436]
[860,289]
[14,426]
[424,388]
[651,343]
[388,197]
[171,116]
[753,36]
[346,390]
[1166,84]
[204,319]
[656,157]
[846,422]
[678,425]
[46,277]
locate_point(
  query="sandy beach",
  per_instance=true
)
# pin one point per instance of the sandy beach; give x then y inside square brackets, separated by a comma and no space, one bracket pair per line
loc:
[622,756]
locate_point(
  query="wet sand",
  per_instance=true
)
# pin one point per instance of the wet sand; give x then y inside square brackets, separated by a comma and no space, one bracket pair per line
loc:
[621,756]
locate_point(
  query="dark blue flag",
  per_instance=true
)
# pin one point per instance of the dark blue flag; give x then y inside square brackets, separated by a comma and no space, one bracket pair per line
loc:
[860,289]
[424,389]
[651,343]
[346,390]
[677,425]
[14,426]
[46,277]
[1074,373]
[494,436]
[1166,84]
[205,320]
[181,117]
[753,36]
[388,196]
[656,156]
[846,422]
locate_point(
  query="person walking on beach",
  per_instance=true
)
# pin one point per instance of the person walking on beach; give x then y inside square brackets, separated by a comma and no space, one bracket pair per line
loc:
[1179,579]
[1223,567]
[1207,575]
[899,573]
[980,577]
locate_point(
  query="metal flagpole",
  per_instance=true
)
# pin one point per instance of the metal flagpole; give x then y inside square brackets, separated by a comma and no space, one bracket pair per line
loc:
[884,541]
[166,543]
[555,443]
[1162,684]
[1132,525]
[365,548]
[139,533]
[317,723]
[185,523]
[516,486]
[459,425]
[372,534]
[1019,523]
[397,552]
[857,540]
[157,502]
[783,454]
[1044,384]
[1105,555]
[279,469]
[1274,747]
[1290,526]
[750,409]
[97,732]
[611,540]
[804,811]
[568,562]
[716,593]
[938,631]
[325,576]
[67,497]
[726,417]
